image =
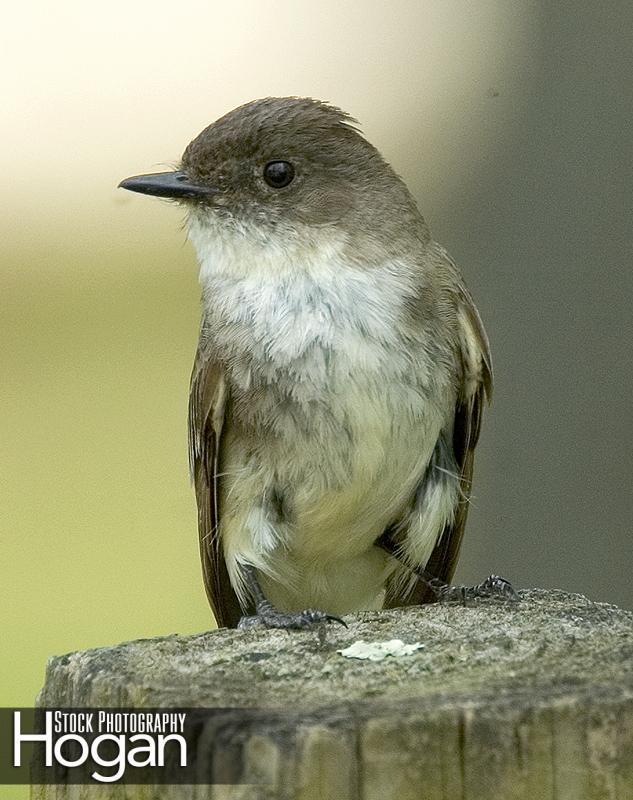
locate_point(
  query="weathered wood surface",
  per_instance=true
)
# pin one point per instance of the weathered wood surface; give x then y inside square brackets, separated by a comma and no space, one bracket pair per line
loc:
[515,701]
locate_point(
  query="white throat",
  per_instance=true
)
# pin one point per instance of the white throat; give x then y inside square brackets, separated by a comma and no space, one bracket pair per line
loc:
[283,294]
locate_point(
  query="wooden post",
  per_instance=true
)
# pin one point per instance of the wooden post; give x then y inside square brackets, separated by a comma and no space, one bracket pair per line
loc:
[503,701]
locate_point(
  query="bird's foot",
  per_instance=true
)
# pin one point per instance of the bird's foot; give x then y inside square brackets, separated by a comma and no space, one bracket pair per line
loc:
[268,617]
[493,587]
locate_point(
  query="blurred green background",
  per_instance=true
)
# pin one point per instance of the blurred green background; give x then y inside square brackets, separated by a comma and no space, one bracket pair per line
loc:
[509,123]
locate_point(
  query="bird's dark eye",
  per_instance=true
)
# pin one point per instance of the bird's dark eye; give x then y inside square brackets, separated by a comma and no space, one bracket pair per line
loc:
[278,174]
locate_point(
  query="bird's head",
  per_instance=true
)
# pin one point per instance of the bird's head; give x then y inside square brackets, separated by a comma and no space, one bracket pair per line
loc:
[280,170]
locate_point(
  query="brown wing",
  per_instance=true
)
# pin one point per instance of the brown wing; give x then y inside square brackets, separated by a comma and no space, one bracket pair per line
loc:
[207,401]
[475,389]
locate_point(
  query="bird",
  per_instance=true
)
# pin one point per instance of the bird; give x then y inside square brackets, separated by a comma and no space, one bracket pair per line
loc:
[340,376]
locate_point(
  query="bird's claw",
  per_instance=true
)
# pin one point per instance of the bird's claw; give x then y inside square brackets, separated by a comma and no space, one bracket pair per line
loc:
[307,619]
[494,586]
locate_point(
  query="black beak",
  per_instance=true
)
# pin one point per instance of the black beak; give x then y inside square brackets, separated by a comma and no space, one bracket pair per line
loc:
[167,184]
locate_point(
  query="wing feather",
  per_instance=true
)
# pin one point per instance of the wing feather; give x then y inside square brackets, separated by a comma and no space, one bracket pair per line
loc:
[475,388]
[207,405]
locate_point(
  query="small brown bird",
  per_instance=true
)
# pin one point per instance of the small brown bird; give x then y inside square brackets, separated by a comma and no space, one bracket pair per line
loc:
[341,372]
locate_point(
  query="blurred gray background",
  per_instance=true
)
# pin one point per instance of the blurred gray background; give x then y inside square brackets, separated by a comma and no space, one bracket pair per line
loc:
[546,232]
[511,124]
